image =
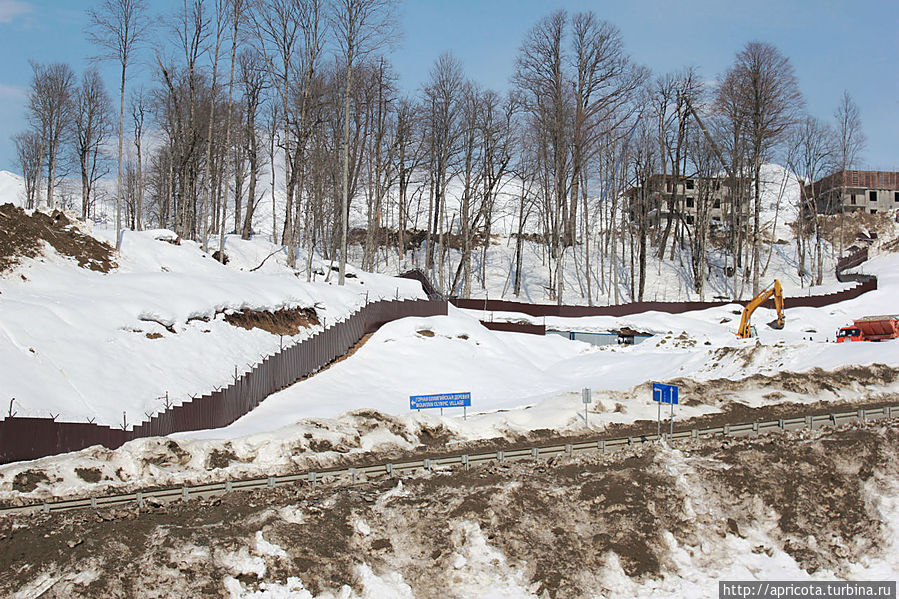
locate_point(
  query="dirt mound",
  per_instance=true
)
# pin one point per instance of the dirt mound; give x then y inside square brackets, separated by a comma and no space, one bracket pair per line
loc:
[559,524]
[287,321]
[853,225]
[21,236]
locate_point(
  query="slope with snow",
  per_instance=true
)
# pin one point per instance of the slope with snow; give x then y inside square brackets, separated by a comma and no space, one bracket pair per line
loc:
[84,345]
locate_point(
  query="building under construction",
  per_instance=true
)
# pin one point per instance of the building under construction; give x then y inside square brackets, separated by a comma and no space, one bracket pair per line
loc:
[684,196]
[854,191]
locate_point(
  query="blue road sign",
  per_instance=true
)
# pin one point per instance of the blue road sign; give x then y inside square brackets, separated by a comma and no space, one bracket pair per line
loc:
[443,400]
[663,393]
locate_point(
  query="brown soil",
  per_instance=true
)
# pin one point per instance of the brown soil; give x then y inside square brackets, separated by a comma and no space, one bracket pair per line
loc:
[28,480]
[21,236]
[557,522]
[349,353]
[853,225]
[287,321]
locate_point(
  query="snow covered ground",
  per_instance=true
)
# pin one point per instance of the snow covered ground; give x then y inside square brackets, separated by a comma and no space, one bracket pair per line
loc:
[75,342]
[81,344]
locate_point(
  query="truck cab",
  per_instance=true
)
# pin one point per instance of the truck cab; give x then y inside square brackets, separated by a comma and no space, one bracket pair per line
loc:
[849,334]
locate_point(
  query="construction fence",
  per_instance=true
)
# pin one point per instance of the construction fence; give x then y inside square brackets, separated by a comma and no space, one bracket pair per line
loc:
[864,284]
[30,438]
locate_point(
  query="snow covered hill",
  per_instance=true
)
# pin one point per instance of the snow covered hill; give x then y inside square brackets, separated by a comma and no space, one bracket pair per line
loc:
[85,345]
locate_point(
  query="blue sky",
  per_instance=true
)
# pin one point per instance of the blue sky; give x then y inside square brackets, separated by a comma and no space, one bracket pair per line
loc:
[832,45]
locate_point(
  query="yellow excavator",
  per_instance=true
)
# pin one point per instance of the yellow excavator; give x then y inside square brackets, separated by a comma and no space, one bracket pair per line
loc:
[746,331]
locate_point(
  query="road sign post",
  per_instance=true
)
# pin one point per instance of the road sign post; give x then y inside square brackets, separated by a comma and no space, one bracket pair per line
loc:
[585,395]
[662,393]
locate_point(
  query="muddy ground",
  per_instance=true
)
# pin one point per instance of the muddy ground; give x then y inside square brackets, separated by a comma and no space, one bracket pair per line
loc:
[21,236]
[557,525]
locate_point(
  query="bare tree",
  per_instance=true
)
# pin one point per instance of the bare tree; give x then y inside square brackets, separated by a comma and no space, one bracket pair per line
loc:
[768,99]
[236,9]
[540,76]
[118,26]
[442,110]
[92,127]
[50,105]
[252,79]
[29,150]
[362,27]
[138,116]
[851,142]
[813,148]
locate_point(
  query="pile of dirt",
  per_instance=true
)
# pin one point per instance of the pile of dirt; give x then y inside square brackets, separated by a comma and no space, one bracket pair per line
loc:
[855,225]
[554,526]
[21,236]
[286,321]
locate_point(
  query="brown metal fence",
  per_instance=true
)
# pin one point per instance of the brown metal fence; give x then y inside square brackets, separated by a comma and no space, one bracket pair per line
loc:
[864,284]
[30,438]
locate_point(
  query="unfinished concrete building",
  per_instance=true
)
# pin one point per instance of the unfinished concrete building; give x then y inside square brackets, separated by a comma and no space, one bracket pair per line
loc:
[685,196]
[850,191]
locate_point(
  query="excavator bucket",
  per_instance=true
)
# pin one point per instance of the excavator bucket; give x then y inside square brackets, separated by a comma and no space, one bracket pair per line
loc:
[777,323]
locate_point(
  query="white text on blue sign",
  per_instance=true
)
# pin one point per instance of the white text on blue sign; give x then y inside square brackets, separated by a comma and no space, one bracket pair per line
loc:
[663,393]
[443,400]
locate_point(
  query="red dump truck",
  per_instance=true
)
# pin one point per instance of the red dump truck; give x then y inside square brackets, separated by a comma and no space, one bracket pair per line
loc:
[870,328]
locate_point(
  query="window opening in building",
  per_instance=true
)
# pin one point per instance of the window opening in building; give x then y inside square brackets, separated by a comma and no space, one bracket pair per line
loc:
[872,195]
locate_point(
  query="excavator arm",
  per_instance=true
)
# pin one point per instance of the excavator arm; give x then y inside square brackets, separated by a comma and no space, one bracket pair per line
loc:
[745,332]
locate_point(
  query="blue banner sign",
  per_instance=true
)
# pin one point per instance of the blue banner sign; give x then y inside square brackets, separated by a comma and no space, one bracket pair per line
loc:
[663,393]
[443,400]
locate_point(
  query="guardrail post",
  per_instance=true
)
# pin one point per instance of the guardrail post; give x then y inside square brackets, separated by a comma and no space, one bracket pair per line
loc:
[861,414]
[755,427]
[833,419]
[568,449]
[500,455]
[46,508]
[630,440]
[602,445]
[810,422]
[353,474]
[389,469]
[427,464]
[465,461]
[229,486]
[311,477]
[271,482]
[535,453]
[695,433]
[726,430]
[140,499]
[185,492]
[782,425]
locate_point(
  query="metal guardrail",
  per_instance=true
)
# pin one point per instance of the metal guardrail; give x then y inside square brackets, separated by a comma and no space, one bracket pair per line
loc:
[354,475]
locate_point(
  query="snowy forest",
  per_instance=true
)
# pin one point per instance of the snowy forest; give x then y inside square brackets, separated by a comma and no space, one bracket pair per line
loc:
[286,118]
